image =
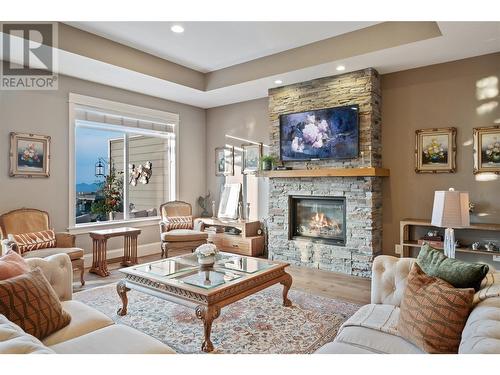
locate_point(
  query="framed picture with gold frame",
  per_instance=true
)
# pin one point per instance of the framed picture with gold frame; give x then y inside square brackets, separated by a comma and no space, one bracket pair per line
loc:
[436,150]
[251,156]
[487,150]
[29,155]
[224,161]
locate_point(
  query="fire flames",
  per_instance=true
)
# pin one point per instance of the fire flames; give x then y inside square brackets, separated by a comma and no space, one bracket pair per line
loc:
[320,223]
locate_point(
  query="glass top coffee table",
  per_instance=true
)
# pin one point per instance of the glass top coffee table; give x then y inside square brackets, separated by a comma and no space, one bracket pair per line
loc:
[182,280]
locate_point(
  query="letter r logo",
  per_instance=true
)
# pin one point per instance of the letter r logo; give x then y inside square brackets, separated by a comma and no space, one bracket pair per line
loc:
[27,49]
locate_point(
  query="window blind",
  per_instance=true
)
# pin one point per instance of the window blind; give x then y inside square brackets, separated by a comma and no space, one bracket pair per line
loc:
[90,116]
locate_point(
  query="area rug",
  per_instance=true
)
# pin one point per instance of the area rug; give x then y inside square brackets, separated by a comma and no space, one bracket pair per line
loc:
[256,324]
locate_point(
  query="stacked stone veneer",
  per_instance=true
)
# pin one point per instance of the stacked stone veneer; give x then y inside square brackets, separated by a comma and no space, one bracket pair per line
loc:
[363,194]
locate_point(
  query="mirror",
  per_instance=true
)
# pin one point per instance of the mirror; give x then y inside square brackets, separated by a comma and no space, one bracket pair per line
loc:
[230,197]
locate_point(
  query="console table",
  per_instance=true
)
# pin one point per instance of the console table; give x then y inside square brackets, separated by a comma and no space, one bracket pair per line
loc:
[249,242]
[100,244]
[409,227]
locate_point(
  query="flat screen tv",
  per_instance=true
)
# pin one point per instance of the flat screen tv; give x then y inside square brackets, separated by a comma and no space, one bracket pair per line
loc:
[330,133]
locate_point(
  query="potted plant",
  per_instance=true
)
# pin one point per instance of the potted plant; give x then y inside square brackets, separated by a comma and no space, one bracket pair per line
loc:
[110,195]
[206,254]
[267,162]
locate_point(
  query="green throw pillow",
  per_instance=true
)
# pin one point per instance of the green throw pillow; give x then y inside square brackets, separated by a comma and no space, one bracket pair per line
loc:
[458,273]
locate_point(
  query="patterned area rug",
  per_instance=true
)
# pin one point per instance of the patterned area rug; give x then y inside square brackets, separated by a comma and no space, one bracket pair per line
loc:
[256,324]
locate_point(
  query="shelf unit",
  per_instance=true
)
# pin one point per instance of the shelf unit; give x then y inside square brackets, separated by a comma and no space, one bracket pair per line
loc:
[248,243]
[406,227]
[327,172]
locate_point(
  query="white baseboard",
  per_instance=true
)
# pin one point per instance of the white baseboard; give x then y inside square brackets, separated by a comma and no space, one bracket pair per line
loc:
[142,250]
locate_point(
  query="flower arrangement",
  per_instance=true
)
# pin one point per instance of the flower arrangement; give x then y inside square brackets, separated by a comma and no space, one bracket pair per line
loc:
[30,155]
[434,151]
[314,133]
[206,250]
[493,152]
[206,254]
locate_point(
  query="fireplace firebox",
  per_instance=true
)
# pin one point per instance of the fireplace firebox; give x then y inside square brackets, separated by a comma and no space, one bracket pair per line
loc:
[317,218]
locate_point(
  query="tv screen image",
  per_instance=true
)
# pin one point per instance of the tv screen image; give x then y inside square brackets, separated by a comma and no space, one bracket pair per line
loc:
[330,133]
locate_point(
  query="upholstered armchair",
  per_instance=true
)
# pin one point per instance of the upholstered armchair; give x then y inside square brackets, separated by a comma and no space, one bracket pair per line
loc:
[178,230]
[30,220]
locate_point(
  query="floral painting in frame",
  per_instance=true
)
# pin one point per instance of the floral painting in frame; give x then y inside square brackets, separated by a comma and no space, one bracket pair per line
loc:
[29,155]
[487,150]
[252,154]
[435,150]
[224,161]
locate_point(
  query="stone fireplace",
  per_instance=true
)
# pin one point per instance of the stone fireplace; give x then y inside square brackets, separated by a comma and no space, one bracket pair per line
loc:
[328,222]
[317,218]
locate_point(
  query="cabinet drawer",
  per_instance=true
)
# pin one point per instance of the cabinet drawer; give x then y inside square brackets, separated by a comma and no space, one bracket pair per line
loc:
[216,240]
[237,245]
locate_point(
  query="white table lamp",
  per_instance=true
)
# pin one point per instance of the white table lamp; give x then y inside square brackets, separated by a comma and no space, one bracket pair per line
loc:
[451,210]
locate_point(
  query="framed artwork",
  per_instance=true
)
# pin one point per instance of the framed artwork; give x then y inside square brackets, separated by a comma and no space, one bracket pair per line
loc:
[252,153]
[487,150]
[224,161]
[29,155]
[436,150]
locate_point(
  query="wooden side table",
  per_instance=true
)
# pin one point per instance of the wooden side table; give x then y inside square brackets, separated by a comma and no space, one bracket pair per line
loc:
[100,244]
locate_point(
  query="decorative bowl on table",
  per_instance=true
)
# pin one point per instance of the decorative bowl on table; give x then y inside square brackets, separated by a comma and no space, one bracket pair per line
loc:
[206,255]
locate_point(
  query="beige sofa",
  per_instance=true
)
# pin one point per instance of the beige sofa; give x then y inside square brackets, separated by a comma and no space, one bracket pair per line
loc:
[371,329]
[89,332]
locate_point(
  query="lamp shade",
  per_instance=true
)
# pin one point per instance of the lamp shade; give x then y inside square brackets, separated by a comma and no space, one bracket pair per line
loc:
[451,209]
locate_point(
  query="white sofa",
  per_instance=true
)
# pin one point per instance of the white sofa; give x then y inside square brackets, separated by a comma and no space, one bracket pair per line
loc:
[89,332]
[389,274]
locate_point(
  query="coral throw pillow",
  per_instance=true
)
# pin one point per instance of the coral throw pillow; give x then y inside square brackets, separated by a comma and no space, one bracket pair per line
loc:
[11,265]
[433,313]
[34,241]
[30,302]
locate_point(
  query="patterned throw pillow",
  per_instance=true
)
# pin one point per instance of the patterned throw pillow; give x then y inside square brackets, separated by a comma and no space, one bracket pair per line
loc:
[433,313]
[179,222]
[30,302]
[34,241]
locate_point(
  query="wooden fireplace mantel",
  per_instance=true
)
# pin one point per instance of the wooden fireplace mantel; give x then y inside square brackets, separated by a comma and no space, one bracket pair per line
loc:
[327,172]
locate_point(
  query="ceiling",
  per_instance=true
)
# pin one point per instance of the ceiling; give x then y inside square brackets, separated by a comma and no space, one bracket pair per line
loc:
[251,79]
[209,46]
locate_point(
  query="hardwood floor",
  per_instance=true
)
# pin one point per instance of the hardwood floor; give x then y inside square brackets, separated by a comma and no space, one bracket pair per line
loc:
[310,280]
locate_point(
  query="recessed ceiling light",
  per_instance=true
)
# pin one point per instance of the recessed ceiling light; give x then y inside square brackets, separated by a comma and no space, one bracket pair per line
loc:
[278,82]
[340,68]
[177,29]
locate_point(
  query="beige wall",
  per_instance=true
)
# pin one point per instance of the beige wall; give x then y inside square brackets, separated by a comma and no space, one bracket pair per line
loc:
[435,96]
[248,120]
[46,112]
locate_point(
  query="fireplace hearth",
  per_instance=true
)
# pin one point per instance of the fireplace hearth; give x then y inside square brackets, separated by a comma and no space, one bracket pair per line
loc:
[318,219]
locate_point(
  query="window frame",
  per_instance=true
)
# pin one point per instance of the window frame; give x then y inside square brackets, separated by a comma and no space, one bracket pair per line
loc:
[76,100]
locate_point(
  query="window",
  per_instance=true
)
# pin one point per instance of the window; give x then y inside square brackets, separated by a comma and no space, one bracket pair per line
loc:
[124,161]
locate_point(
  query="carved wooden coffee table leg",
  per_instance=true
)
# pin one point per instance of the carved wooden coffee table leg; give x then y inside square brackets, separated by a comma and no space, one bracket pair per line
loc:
[208,315]
[122,290]
[287,283]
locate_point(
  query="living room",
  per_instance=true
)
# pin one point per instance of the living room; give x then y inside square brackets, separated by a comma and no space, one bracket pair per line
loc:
[174,186]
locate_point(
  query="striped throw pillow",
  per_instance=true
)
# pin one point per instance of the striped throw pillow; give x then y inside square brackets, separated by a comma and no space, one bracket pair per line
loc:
[179,222]
[34,241]
[433,313]
[30,302]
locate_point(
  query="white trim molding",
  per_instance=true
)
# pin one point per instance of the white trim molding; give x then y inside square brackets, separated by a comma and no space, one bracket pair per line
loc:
[123,108]
[136,223]
[76,102]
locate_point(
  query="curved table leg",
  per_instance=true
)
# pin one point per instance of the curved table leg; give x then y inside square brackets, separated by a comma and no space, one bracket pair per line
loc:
[208,315]
[122,290]
[287,283]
